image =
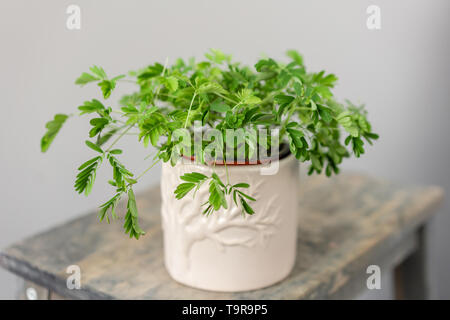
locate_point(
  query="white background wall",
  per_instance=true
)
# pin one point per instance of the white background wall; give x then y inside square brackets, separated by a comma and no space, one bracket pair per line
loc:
[401,72]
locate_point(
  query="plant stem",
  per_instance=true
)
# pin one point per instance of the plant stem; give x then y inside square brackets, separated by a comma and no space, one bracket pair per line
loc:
[226,98]
[146,170]
[168,95]
[119,137]
[189,111]
[270,96]
[285,123]
[226,170]
[236,106]
[162,75]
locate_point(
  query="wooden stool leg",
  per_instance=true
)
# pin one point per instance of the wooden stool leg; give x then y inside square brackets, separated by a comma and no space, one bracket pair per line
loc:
[410,276]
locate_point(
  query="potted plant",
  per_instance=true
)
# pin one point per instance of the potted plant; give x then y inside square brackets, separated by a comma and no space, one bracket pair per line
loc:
[230,138]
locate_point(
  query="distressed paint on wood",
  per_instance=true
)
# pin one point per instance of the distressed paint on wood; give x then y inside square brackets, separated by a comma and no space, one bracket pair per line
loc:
[345,223]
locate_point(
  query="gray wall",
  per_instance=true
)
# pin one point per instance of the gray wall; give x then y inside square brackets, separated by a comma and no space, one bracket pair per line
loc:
[401,72]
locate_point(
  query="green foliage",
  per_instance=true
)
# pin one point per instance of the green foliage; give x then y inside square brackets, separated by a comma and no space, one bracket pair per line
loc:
[93,146]
[53,128]
[94,106]
[123,182]
[109,206]
[86,177]
[297,142]
[131,224]
[102,139]
[121,175]
[217,192]
[99,75]
[194,180]
[220,94]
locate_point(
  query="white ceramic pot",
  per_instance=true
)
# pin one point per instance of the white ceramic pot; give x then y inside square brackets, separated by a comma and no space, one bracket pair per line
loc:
[227,251]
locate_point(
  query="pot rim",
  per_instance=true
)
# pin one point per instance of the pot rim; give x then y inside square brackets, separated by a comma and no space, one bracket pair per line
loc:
[241,167]
[284,153]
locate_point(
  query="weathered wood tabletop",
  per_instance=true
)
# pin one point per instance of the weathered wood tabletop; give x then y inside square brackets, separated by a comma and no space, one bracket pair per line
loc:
[345,224]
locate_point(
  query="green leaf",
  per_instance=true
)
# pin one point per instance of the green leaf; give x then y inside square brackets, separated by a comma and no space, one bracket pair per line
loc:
[241,185]
[171,83]
[219,106]
[89,162]
[120,173]
[86,177]
[252,100]
[93,146]
[217,195]
[246,96]
[53,128]
[154,137]
[92,106]
[98,71]
[246,196]
[283,99]
[265,65]
[298,88]
[109,205]
[98,125]
[193,180]
[352,130]
[346,121]
[316,163]
[130,109]
[328,171]
[115,151]
[86,78]
[98,74]
[130,180]
[118,77]
[99,121]
[296,139]
[107,87]
[294,55]
[211,87]
[132,203]
[325,113]
[216,178]
[348,139]
[284,77]
[183,189]
[372,135]
[150,72]
[329,80]
[246,206]
[217,56]
[193,177]
[131,224]
[324,92]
